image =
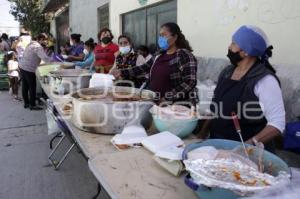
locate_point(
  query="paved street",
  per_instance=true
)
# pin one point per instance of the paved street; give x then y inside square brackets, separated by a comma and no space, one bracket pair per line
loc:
[24,169]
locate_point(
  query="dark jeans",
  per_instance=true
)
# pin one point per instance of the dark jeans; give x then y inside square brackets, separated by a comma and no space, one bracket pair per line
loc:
[28,87]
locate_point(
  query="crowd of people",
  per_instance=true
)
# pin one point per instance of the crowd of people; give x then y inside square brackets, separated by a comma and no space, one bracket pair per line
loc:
[13,49]
[171,73]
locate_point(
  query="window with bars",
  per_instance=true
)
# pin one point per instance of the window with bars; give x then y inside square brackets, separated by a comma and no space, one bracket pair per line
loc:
[62,28]
[103,17]
[143,25]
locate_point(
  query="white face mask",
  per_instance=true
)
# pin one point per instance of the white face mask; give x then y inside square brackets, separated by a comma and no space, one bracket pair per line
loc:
[125,50]
[85,51]
[71,43]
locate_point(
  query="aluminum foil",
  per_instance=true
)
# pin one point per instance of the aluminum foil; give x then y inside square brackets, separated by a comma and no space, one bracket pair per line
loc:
[231,174]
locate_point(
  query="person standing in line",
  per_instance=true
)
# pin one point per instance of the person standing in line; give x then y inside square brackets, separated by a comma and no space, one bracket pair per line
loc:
[13,73]
[6,44]
[32,57]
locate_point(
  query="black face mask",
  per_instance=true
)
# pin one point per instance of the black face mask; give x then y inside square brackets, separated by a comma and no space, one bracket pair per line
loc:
[106,40]
[234,57]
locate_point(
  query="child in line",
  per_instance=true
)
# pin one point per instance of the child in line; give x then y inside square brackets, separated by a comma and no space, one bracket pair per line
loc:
[13,74]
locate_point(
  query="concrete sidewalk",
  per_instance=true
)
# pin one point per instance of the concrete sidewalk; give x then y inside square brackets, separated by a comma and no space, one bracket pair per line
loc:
[24,169]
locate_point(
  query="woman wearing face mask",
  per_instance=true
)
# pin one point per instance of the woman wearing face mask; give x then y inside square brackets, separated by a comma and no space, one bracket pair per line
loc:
[172,73]
[250,88]
[127,58]
[75,53]
[105,52]
[89,56]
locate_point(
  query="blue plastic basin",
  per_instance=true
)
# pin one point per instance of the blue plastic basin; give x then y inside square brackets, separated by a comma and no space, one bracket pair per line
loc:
[216,193]
[181,128]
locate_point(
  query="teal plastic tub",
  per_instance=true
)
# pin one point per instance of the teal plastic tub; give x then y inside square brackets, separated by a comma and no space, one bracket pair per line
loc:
[204,192]
[181,128]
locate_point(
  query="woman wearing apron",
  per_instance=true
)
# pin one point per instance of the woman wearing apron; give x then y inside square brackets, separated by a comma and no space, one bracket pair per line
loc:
[250,88]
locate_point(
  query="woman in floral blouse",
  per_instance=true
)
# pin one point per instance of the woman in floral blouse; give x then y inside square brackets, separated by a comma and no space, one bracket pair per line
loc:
[127,58]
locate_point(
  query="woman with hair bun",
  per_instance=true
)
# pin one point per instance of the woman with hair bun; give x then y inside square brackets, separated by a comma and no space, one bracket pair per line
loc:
[75,53]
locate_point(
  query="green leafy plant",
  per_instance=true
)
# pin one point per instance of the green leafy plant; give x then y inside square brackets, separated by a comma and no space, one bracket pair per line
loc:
[29,14]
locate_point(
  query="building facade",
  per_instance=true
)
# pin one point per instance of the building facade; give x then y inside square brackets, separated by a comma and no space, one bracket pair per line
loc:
[87,17]
[59,24]
[208,25]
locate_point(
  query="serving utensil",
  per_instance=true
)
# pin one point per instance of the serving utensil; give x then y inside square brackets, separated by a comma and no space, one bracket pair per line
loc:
[238,130]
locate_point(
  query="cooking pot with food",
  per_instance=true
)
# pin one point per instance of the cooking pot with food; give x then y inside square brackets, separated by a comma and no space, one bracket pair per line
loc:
[65,81]
[107,110]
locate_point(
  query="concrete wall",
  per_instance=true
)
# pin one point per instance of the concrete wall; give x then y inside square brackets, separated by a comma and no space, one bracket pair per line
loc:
[209,25]
[84,17]
[217,20]
[209,68]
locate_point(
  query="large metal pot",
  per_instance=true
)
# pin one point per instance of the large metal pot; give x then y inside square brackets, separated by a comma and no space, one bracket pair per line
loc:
[65,81]
[108,110]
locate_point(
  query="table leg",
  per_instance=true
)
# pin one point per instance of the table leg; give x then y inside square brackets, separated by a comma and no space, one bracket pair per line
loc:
[58,135]
[98,191]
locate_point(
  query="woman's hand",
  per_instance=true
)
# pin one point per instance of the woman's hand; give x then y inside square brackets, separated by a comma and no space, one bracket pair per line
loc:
[249,142]
[71,57]
[65,56]
[116,54]
[115,72]
[266,135]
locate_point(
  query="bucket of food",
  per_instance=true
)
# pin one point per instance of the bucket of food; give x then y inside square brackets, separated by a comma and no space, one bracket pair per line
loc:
[107,110]
[64,81]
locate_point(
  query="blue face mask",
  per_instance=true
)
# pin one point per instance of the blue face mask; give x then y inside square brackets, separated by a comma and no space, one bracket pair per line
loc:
[163,43]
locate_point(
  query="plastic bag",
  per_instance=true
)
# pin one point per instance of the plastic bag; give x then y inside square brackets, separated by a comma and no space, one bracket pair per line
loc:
[230,169]
[205,93]
[255,154]
[284,190]
[206,153]
[51,124]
